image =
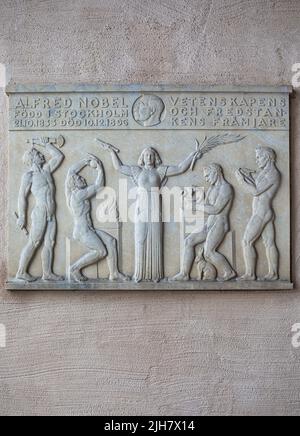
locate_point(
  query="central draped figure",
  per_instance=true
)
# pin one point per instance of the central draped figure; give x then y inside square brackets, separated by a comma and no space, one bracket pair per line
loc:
[148,221]
[149,176]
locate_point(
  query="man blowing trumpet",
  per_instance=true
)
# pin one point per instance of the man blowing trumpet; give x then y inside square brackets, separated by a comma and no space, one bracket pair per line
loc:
[38,181]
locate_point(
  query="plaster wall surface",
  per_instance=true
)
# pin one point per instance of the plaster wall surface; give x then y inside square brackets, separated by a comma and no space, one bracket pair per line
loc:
[198,353]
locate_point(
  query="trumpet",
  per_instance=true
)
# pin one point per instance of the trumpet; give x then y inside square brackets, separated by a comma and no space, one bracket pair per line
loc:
[59,141]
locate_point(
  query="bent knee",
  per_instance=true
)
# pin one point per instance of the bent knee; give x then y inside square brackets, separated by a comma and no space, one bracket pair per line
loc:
[188,243]
[247,242]
[111,243]
[36,243]
[269,243]
[50,244]
[102,252]
[208,254]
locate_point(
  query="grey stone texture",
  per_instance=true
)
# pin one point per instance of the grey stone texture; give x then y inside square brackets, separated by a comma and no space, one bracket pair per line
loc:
[132,352]
[189,131]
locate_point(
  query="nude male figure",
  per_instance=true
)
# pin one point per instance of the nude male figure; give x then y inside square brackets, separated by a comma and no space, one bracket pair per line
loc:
[263,185]
[101,245]
[217,207]
[39,182]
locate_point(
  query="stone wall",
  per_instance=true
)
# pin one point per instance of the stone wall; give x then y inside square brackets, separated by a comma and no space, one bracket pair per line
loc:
[143,352]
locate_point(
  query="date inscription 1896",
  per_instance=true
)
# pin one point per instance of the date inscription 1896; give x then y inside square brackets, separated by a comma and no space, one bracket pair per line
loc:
[187,111]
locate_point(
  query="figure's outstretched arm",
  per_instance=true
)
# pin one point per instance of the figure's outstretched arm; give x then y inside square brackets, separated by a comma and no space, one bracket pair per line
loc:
[118,164]
[182,167]
[22,200]
[56,155]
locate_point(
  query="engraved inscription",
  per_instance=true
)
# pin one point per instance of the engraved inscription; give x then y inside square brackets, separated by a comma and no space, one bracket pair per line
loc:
[165,111]
[243,112]
[70,112]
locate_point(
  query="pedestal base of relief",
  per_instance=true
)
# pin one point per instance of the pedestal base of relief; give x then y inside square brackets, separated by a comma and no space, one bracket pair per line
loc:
[194,285]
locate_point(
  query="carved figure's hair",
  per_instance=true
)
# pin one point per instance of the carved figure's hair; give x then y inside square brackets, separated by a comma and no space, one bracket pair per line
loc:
[29,156]
[215,167]
[155,103]
[158,161]
[268,151]
[72,181]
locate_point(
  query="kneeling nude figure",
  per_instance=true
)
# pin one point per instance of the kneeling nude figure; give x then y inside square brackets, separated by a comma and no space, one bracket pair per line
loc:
[101,244]
[217,207]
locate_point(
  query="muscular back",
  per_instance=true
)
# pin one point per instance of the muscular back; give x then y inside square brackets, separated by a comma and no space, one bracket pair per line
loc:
[80,208]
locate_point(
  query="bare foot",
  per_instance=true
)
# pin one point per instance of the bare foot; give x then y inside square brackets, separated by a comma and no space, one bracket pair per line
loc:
[246,278]
[52,278]
[78,276]
[180,278]
[227,277]
[136,280]
[270,278]
[119,277]
[26,277]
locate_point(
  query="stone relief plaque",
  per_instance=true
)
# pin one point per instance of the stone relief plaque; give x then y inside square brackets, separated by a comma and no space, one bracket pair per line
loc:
[149,188]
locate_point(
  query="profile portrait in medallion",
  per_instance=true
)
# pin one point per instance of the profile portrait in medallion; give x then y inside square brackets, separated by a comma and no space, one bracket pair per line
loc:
[148,110]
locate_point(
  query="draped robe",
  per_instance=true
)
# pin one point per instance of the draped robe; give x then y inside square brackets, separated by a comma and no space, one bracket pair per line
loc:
[148,223]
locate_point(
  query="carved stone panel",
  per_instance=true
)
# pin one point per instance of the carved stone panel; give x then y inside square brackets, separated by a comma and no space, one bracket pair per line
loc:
[149,188]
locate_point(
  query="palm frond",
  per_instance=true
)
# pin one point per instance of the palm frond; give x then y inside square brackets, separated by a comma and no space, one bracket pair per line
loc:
[209,144]
[216,141]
